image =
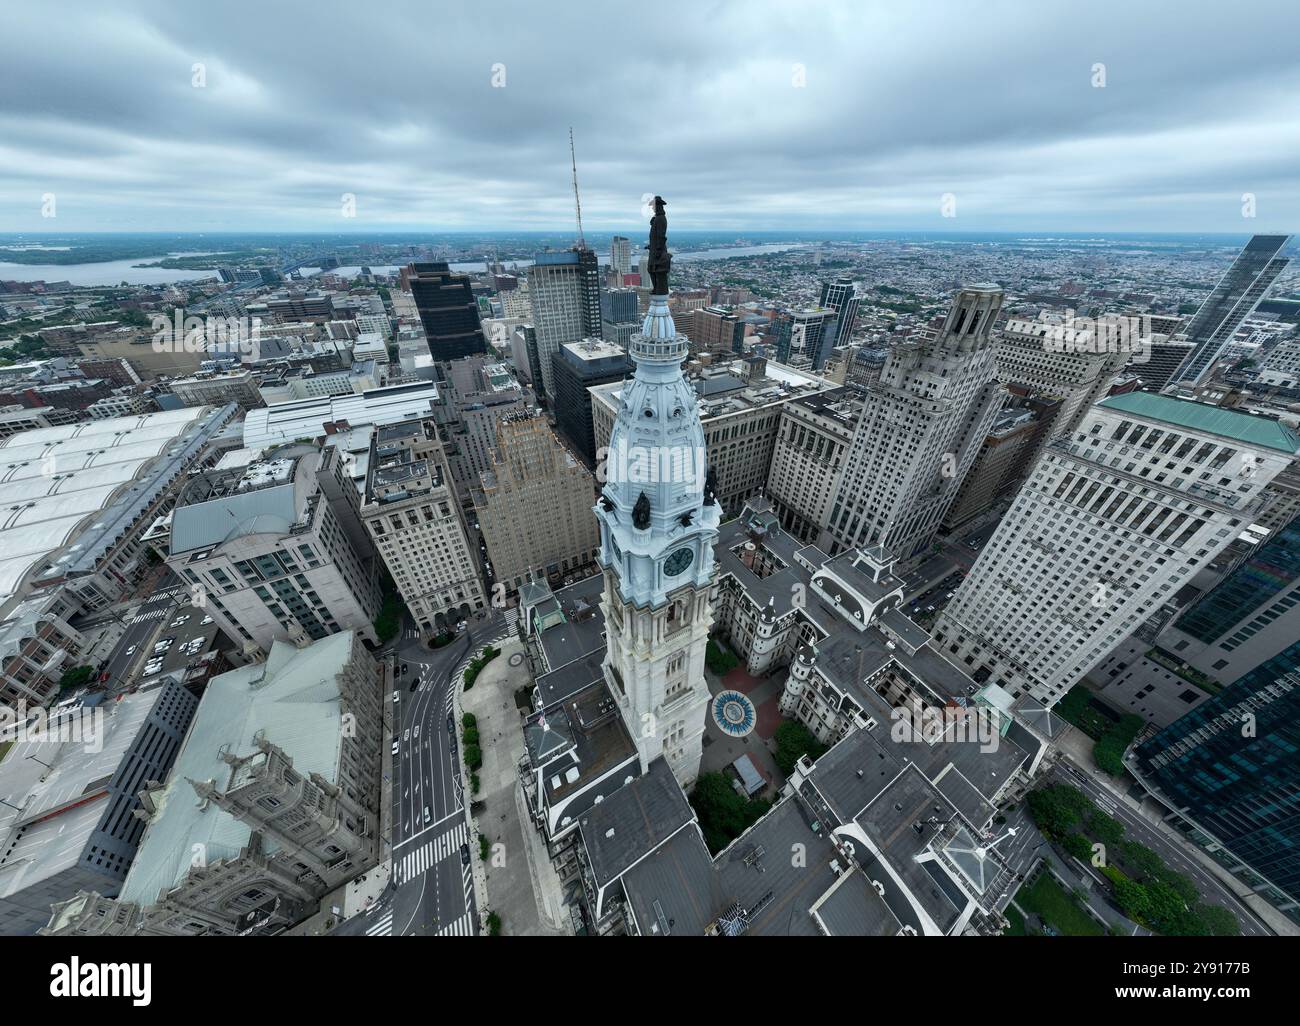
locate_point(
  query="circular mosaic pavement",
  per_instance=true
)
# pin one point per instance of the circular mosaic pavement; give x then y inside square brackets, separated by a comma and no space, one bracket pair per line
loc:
[734,713]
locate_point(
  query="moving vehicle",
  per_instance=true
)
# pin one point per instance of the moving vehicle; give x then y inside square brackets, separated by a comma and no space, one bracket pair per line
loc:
[464,854]
[427,815]
[397,747]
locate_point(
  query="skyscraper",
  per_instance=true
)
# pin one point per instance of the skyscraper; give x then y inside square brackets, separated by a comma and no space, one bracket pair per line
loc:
[658,519]
[535,508]
[841,296]
[1248,617]
[805,338]
[565,292]
[1229,774]
[448,311]
[578,366]
[921,427]
[1232,301]
[1110,524]
[1067,359]
[620,255]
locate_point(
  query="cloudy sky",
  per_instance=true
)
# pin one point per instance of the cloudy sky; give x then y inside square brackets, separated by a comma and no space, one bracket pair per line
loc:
[853,115]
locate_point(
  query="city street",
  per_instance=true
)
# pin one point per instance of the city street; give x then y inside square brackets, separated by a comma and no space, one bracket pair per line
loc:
[1139,828]
[431,891]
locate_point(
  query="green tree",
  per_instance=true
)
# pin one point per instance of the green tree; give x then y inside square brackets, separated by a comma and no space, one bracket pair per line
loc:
[1132,899]
[1219,920]
[1078,846]
[76,677]
[793,740]
[1107,829]
[724,815]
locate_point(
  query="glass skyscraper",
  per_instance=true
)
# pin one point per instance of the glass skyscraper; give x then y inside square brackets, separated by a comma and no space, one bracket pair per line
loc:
[448,311]
[1232,301]
[1272,573]
[1230,769]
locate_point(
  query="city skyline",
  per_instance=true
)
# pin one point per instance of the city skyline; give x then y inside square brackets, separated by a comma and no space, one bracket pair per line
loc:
[138,122]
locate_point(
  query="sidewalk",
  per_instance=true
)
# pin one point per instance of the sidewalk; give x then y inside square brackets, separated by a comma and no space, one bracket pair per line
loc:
[518,875]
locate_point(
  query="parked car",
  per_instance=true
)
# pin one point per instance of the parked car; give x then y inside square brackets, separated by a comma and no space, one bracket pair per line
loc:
[397,747]
[464,854]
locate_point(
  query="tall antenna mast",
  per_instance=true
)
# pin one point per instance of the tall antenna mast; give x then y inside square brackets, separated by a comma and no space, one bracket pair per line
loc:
[577,203]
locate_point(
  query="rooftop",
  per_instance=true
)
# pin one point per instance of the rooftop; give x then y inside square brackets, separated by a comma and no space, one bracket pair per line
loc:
[293,700]
[1214,420]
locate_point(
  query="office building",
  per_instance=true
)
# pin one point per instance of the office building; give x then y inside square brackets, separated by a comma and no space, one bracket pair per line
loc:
[1228,773]
[999,466]
[1234,298]
[921,429]
[578,367]
[448,311]
[812,438]
[1055,357]
[1111,523]
[565,291]
[535,506]
[214,388]
[715,330]
[416,524]
[805,338]
[620,255]
[267,544]
[841,296]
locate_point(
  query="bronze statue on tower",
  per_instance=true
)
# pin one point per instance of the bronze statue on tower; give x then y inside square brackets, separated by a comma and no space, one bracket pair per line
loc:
[661,261]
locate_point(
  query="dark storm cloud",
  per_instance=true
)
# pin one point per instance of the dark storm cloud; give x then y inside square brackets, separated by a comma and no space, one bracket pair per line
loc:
[899,104]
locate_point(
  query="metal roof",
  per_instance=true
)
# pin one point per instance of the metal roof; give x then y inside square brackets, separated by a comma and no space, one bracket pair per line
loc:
[1214,420]
[293,700]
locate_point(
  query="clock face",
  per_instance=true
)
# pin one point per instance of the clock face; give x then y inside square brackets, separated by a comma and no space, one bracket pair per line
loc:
[678,560]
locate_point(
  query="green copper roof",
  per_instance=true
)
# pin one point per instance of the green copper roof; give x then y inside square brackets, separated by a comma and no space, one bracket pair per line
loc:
[1215,420]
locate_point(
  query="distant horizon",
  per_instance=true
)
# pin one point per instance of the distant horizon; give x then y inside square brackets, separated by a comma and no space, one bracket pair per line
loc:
[363,232]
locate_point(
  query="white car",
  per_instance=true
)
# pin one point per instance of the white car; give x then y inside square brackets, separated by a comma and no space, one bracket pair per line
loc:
[131,650]
[407,735]
[417,730]
[396,746]
[397,697]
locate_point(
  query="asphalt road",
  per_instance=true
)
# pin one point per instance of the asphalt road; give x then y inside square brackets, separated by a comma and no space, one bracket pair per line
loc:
[136,642]
[431,893]
[1138,828]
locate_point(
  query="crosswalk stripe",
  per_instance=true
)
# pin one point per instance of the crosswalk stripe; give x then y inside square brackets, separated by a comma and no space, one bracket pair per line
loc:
[383,927]
[458,927]
[425,857]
